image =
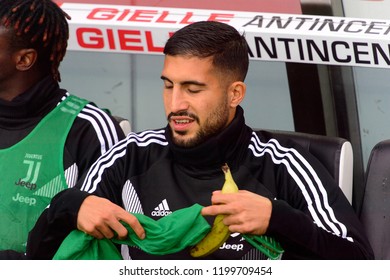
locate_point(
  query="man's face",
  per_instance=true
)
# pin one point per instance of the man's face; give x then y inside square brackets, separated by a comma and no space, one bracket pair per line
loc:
[196,100]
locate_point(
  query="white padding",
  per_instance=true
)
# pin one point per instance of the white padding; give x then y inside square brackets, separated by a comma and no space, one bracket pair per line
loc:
[346,170]
[125,125]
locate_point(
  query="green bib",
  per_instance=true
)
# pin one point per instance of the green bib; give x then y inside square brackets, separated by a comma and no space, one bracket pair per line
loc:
[180,229]
[32,172]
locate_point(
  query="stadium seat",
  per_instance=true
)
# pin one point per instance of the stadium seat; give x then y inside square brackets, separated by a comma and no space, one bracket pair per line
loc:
[124,124]
[334,153]
[375,212]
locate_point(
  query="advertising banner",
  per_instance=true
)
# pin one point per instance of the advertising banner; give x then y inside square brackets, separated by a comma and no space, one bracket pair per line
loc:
[270,36]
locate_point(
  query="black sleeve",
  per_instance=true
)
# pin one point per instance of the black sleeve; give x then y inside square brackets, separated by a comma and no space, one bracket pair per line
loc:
[314,220]
[11,255]
[54,224]
[303,239]
[88,140]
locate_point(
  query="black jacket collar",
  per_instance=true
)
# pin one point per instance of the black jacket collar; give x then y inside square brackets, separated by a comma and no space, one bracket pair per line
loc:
[229,146]
[30,106]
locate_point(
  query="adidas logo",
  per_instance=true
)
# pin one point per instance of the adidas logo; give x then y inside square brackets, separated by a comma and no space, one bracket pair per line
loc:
[161,210]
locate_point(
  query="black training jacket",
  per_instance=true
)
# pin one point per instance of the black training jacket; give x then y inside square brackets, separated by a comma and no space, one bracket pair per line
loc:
[146,173]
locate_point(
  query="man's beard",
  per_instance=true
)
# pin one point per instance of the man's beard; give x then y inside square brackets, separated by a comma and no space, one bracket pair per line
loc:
[214,124]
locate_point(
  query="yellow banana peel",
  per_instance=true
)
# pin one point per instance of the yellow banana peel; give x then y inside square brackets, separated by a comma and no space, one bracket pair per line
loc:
[219,231]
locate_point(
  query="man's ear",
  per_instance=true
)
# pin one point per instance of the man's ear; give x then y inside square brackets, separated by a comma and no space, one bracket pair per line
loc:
[237,92]
[25,59]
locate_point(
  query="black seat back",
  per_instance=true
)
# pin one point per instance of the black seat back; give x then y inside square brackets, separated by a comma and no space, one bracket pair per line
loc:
[375,213]
[334,153]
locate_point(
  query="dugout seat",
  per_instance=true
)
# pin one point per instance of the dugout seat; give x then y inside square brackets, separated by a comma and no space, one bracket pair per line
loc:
[334,153]
[375,212]
[124,124]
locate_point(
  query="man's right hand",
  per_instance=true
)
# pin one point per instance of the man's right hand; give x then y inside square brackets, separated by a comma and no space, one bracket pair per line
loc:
[101,218]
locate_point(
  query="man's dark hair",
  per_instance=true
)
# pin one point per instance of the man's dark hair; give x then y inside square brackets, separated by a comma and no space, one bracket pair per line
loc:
[221,41]
[38,24]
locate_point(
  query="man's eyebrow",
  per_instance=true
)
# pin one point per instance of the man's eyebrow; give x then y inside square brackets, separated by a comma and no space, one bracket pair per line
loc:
[166,79]
[196,83]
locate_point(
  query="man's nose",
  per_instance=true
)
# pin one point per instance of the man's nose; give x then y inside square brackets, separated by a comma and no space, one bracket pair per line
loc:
[179,101]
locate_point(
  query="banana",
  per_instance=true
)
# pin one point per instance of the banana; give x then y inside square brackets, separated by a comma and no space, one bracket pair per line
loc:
[219,231]
[229,186]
